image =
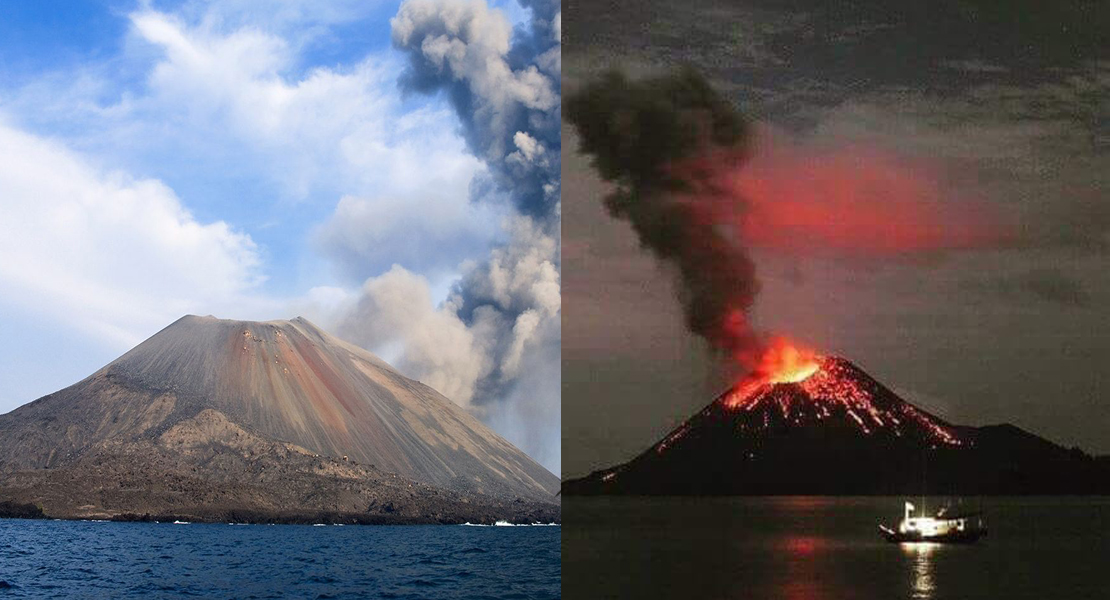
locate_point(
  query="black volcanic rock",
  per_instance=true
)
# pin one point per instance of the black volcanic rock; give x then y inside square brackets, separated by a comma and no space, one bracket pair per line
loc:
[15,510]
[214,420]
[839,431]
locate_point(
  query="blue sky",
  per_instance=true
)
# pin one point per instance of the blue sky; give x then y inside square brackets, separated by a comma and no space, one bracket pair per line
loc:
[248,159]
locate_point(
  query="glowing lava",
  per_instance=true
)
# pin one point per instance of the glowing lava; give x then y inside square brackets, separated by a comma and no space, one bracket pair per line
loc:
[785,362]
[782,361]
[794,385]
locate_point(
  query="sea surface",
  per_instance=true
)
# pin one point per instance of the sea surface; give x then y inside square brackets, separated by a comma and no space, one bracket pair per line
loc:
[815,548]
[83,559]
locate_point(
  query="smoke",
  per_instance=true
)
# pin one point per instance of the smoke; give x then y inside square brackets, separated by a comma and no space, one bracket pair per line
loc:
[660,140]
[494,345]
[701,186]
[395,310]
[505,89]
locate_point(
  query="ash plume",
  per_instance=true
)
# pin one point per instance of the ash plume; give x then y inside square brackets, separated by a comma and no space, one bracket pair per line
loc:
[661,141]
[494,345]
[504,86]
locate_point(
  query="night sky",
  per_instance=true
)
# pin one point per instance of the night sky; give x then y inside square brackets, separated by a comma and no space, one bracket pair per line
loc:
[1005,109]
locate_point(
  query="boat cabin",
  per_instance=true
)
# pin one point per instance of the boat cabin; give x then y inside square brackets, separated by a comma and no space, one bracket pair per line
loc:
[945,526]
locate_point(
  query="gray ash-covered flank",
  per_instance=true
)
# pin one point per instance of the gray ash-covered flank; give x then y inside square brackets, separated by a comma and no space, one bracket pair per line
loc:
[839,431]
[236,420]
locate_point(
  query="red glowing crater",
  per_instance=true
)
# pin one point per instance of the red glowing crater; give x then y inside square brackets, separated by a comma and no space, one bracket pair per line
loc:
[786,362]
[782,361]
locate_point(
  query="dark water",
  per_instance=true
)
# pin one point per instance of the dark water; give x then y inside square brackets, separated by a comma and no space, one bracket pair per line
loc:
[74,559]
[828,548]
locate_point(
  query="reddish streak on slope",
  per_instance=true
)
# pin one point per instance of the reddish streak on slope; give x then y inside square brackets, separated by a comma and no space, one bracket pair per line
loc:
[327,376]
[296,360]
[824,386]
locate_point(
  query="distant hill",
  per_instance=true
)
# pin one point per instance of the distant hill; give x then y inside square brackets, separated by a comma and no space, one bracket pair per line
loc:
[839,431]
[276,420]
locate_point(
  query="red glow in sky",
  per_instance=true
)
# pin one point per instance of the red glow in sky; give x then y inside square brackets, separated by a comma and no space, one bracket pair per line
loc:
[853,200]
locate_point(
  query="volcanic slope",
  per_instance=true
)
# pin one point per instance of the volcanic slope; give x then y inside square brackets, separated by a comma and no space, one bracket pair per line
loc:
[839,431]
[220,399]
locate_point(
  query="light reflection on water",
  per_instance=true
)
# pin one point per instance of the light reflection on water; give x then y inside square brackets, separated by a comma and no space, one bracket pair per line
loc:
[826,549]
[923,559]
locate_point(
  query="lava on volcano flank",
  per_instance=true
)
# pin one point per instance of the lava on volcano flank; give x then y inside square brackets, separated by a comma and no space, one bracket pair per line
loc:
[806,423]
[801,386]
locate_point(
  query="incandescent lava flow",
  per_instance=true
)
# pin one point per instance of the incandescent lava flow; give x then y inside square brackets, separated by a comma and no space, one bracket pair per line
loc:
[795,386]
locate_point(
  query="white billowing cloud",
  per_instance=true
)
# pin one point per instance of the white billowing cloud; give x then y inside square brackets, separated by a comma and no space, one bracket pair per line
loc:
[402,173]
[106,253]
[426,234]
[332,129]
[396,310]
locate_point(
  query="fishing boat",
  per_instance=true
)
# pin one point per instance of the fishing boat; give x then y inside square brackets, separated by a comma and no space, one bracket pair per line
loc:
[946,526]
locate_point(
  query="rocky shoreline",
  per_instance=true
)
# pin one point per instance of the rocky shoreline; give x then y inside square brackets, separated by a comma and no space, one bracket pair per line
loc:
[478,515]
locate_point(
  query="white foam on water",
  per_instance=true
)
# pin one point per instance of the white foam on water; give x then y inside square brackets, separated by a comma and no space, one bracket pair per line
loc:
[508,524]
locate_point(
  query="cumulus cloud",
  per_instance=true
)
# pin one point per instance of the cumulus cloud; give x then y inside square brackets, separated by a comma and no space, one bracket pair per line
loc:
[341,128]
[402,173]
[428,234]
[214,85]
[106,253]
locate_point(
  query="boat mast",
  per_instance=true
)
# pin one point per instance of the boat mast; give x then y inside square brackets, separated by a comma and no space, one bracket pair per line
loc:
[924,465]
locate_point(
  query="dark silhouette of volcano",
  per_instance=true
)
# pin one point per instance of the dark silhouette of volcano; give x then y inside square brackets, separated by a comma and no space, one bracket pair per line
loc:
[839,431]
[214,418]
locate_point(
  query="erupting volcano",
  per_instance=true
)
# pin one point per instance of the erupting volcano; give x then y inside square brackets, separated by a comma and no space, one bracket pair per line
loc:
[798,386]
[803,423]
[700,190]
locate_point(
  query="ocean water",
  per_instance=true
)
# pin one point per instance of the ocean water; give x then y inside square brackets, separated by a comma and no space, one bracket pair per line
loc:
[80,559]
[828,548]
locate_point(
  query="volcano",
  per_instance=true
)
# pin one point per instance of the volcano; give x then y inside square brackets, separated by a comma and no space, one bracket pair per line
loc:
[808,424]
[215,419]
